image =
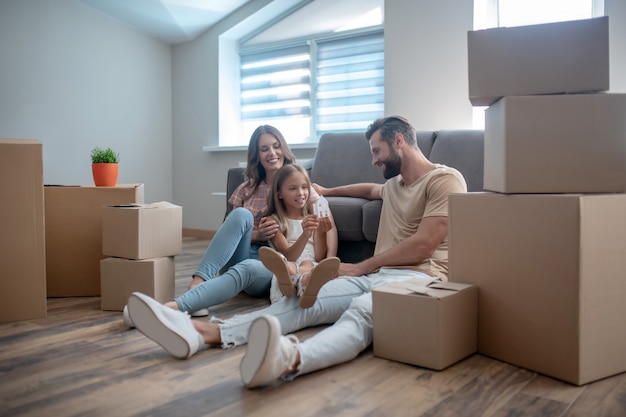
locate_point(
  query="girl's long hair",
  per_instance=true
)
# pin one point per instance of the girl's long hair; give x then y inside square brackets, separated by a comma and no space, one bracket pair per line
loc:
[276,206]
[255,173]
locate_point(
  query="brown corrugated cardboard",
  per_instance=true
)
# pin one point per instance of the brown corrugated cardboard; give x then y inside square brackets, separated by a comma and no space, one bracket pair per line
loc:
[433,327]
[556,144]
[121,277]
[74,235]
[142,231]
[551,274]
[22,242]
[552,58]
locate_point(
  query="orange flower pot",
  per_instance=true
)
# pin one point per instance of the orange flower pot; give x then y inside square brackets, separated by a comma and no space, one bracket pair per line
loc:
[104,175]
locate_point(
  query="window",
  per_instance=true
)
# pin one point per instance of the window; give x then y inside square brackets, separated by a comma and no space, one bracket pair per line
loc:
[508,13]
[311,87]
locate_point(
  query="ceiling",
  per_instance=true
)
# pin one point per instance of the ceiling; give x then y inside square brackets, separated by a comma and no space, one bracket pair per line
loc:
[171,21]
[176,21]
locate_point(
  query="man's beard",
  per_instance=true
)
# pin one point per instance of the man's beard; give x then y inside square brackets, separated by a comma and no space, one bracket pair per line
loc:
[392,166]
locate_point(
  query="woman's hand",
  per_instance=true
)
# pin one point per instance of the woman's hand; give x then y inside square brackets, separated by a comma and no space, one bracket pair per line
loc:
[268,227]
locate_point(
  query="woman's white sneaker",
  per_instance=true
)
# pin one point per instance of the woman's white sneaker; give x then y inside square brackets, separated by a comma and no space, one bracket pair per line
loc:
[172,329]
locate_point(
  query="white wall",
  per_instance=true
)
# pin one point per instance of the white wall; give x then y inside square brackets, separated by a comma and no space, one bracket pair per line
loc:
[616,10]
[426,62]
[74,79]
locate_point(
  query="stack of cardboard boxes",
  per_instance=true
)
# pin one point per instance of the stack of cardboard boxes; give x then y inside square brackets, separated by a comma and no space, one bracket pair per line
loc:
[74,235]
[545,243]
[141,241]
[51,238]
[54,239]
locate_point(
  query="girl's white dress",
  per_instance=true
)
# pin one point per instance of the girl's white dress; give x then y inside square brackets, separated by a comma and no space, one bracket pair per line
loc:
[308,253]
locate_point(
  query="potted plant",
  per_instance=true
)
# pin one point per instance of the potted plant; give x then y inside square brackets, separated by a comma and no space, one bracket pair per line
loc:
[104,166]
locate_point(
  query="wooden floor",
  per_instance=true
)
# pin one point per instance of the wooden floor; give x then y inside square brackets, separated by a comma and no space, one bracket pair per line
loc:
[81,361]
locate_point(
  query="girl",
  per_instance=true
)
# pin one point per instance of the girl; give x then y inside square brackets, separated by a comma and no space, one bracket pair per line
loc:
[302,241]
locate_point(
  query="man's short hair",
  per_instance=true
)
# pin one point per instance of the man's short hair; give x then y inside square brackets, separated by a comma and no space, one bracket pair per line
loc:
[391,125]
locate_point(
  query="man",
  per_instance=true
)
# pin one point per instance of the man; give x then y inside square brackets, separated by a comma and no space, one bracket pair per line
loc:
[411,244]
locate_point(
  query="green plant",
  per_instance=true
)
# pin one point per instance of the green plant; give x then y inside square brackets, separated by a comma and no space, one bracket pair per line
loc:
[104,156]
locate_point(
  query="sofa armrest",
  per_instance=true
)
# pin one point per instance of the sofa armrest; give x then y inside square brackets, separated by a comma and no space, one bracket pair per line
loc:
[233,179]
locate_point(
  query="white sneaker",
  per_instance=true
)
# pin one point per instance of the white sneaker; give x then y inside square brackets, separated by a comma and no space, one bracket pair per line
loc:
[126,318]
[172,329]
[269,355]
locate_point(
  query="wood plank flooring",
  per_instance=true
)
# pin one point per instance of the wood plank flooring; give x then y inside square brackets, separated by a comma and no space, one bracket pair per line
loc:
[81,361]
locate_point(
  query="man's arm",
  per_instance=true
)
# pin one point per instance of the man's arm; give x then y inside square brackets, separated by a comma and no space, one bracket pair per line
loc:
[412,250]
[370,191]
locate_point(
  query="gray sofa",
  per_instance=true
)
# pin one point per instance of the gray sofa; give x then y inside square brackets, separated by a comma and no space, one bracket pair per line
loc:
[345,158]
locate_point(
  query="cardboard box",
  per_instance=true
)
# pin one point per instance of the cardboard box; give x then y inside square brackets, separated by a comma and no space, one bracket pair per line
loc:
[142,231]
[556,144]
[121,277]
[433,327]
[552,277]
[74,235]
[22,241]
[552,58]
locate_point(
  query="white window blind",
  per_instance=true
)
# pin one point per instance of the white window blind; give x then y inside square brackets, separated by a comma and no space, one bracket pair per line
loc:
[276,84]
[313,87]
[350,83]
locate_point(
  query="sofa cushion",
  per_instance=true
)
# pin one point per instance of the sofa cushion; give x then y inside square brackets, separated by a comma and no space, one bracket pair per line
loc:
[463,150]
[425,140]
[348,215]
[342,158]
[371,217]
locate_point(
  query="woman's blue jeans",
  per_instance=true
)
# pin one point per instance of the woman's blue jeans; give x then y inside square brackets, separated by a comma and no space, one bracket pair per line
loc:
[231,252]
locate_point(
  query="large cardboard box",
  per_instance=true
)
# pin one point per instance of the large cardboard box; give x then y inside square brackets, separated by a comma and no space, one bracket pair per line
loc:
[552,58]
[74,235]
[556,144]
[551,272]
[433,327]
[142,231]
[22,242]
[121,277]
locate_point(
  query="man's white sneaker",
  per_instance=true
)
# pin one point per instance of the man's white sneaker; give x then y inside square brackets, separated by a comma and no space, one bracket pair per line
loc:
[270,355]
[172,329]
[126,318]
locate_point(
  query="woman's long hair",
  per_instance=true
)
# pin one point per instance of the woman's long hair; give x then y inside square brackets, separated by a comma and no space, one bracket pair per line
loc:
[275,205]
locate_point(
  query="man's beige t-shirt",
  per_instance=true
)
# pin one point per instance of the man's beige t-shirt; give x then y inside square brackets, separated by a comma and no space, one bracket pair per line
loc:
[404,207]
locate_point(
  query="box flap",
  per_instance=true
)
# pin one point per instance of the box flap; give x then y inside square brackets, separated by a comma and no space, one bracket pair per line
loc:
[160,204]
[435,289]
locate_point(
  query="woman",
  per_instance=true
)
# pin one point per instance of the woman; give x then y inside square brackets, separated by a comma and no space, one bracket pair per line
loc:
[234,248]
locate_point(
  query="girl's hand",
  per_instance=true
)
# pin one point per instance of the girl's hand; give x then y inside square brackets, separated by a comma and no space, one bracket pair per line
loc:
[309,224]
[324,224]
[268,227]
